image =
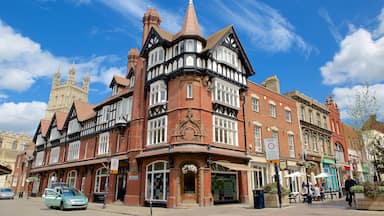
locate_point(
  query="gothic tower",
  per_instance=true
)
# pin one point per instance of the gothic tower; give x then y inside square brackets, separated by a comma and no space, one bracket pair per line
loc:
[64,93]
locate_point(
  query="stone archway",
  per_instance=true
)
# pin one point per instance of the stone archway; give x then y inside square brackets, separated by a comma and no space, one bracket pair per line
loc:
[189,183]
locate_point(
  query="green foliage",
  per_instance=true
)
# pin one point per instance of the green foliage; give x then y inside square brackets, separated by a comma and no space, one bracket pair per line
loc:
[357,189]
[271,188]
[370,190]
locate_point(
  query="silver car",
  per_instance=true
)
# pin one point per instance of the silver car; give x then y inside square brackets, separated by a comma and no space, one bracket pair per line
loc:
[6,193]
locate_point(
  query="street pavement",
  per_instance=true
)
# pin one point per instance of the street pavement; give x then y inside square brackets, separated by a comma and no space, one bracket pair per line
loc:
[34,206]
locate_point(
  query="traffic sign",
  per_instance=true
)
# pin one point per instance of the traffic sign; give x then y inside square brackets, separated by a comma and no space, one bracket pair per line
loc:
[271,147]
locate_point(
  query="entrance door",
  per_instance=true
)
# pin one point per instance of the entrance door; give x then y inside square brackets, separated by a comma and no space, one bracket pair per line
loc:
[120,187]
[189,184]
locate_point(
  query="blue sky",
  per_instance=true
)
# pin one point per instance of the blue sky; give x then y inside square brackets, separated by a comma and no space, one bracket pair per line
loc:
[320,48]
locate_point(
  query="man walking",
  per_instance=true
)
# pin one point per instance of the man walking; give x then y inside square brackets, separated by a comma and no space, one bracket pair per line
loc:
[348,184]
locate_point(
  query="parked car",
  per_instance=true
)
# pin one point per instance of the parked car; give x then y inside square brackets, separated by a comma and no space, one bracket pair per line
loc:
[64,198]
[59,184]
[6,193]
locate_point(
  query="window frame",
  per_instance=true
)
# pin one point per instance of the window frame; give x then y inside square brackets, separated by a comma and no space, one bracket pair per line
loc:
[157,130]
[224,129]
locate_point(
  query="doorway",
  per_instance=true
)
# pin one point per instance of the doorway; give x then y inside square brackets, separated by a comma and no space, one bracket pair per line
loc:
[121,185]
[189,183]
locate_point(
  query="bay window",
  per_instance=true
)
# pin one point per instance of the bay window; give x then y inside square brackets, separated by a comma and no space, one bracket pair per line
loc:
[158,93]
[156,56]
[124,109]
[226,93]
[224,130]
[157,130]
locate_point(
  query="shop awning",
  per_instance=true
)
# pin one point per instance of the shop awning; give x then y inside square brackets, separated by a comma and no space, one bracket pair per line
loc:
[234,166]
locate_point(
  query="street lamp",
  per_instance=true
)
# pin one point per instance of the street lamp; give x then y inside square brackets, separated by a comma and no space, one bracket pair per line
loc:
[107,179]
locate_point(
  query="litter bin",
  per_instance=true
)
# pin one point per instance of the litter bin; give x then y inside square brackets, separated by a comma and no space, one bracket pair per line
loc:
[258,199]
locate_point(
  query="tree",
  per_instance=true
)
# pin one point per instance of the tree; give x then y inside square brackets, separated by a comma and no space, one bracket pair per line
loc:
[362,112]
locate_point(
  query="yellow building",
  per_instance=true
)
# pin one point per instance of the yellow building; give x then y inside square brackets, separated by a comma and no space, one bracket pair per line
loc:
[10,145]
[64,93]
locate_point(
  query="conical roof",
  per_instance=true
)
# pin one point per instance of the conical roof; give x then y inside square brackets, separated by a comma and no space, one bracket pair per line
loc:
[190,24]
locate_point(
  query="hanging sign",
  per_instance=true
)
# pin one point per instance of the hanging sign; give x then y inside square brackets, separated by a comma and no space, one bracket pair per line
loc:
[114,166]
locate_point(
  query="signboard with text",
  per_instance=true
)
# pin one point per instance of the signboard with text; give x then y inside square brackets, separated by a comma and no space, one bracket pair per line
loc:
[114,166]
[271,147]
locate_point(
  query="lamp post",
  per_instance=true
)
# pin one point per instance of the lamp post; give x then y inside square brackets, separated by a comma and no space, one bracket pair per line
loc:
[107,179]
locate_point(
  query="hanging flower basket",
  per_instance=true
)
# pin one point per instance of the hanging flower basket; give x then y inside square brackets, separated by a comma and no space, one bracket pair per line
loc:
[189,168]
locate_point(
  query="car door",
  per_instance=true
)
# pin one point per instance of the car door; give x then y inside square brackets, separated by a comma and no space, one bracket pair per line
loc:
[49,197]
[58,197]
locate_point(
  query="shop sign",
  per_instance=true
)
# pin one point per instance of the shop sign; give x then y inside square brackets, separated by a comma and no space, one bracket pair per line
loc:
[114,166]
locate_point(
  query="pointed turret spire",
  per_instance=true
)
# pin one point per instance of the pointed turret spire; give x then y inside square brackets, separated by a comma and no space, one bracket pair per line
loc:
[190,24]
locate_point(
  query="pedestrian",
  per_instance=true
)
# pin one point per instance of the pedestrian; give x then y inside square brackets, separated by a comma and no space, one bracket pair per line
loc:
[348,184]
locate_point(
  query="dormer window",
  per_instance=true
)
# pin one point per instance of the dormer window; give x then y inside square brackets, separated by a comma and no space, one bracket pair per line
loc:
[115,89]
[132,81]
[156,56]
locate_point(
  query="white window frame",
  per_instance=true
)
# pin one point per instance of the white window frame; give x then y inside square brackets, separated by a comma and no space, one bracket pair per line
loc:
[157,130]
[258,142]
[339,152]
[272,110]
[73,150]
[255,104]
[291,144]
[257,170]
[54,134]
[310,113]
[124,109]
[158,93]
[302,113]
[100,173]
[225,131]
[156,56]
[288,116]
[150,173]
[103,147]
[225,93]
[132,81]
[189,90]
[314,143]
[115,89]
[71,178]
[73,126]
[39,140]
[54,155]
[39,158]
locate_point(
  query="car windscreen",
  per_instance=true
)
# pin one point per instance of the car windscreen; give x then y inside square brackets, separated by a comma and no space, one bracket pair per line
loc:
[70,192]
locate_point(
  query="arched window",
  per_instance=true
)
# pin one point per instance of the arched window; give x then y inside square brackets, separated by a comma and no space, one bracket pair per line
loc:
[100,179]
[157,181]
[71,178]
[339,152]
[51,179]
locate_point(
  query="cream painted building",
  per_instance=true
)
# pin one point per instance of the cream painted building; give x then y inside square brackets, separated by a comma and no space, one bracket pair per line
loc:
[316,134]
[64,93]
[10,145]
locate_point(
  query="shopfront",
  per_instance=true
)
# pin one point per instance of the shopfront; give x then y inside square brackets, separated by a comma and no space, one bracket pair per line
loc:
[331,182]
[224,184]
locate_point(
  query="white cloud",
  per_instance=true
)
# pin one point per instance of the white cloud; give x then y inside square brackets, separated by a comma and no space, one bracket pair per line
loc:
[344,97]
[3,96]
[23,116]
[332,27]
[136,8]
[23,62]
[359,60]
[266,27]
[380,29]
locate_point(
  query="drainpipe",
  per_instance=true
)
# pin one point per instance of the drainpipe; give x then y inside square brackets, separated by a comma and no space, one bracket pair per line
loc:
[244,125]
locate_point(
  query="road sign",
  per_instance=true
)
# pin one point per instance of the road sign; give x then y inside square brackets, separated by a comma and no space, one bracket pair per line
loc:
[114,166]
[271,147]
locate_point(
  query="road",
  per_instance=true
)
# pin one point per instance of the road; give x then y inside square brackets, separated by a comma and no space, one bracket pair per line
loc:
[35,207]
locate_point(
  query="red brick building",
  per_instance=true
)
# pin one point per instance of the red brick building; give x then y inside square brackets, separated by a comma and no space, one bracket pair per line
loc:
[180,124]
[338,140]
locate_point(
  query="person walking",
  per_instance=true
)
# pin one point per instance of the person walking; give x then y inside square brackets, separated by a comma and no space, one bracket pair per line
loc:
[349,182]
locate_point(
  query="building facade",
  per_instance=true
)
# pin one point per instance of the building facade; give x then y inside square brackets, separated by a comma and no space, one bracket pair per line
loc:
[318,151]
[10,145]
[64,93]
[338,142]
[356,153]
[272,115]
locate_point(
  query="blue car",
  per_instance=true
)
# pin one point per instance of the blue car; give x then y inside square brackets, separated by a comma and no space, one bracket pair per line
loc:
[65,198]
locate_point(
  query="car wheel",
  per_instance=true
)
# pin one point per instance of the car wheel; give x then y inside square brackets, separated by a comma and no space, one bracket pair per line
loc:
[62,207]
[84,208]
